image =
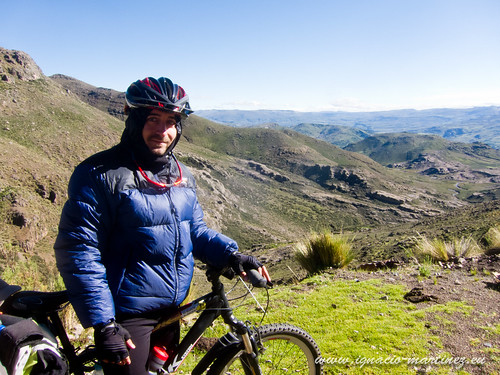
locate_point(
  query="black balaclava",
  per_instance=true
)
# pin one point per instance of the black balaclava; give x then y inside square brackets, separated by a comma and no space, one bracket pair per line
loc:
[132,140]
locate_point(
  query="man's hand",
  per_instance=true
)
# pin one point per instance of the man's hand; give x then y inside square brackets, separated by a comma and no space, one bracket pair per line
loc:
[112,342]
[240,263]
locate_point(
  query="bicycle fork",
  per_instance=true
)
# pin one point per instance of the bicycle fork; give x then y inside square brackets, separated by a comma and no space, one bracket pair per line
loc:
[251,355]
[248,344]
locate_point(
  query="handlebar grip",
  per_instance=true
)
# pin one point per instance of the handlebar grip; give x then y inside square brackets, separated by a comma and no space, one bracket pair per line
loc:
[256,279]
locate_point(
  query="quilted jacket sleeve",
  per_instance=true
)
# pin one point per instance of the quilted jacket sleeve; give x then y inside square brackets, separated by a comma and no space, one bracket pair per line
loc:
[77,248]
[210,246]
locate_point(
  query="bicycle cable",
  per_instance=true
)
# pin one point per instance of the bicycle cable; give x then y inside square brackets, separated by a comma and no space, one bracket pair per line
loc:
[253,295]
[244,296]
[249,291]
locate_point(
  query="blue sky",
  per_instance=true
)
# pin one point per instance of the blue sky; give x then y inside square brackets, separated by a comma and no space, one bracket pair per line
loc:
[272,54]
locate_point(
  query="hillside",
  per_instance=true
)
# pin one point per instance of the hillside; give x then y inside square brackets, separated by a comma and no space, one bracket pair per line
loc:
[340,136]
[264,187]
[107,100]
[287,150]
[477,162]
[44,132]
[467,164]
[461,125]
[268,188]
[475,166]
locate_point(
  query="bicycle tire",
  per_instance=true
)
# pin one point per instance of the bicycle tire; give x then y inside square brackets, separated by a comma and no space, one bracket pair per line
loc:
[287,349]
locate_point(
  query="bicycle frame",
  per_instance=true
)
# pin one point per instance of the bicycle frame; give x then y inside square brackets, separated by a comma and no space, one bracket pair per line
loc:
[211,306]
[44,307]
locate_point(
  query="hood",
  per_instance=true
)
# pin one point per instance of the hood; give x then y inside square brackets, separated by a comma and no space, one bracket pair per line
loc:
[132,140]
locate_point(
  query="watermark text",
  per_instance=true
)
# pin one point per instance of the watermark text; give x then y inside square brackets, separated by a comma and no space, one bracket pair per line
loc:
[457,362]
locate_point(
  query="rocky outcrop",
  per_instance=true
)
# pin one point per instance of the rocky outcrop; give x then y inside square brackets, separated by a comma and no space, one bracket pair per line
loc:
[268,172]
[17,65]
[351,177]
[30,227]
[386,197]
[332,177]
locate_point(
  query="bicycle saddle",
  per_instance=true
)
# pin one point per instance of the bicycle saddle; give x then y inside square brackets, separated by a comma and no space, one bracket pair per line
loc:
[6,290]
[28,303]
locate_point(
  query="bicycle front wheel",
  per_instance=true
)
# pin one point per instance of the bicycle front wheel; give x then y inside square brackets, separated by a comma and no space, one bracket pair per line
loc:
[286,349]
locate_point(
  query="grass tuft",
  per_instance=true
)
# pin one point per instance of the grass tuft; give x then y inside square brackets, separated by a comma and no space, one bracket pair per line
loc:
[492,240]
[323,251]
[443,251]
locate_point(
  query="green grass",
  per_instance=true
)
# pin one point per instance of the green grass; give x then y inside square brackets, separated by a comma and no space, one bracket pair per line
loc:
[425,269]
[356,322]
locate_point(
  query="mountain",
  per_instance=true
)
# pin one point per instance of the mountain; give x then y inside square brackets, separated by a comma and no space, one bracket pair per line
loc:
[44,132]
[426,154]
[481,124]
[335,134]
[263,187]
[106,100]
[462,125]
[464,163]
[433,155]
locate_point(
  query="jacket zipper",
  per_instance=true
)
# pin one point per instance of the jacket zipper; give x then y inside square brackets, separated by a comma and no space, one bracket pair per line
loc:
[176,248]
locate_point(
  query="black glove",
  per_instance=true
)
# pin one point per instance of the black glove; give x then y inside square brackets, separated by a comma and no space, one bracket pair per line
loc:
[110,342]
[241,263]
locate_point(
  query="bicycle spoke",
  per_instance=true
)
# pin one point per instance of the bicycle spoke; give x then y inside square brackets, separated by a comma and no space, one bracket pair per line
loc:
[285,357]
[287,350]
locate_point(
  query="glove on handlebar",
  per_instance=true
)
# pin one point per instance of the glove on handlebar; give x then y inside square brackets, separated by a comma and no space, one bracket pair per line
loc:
[240,262]
[110,342]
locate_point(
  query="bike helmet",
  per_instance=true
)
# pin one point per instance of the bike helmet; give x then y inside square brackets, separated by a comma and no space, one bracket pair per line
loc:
[159,93]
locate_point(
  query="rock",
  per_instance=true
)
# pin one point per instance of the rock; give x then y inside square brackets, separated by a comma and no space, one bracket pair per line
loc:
[383,264]
[265,171]
[417,295]
[386,197]
[18,217]
[17,65]
[352,178]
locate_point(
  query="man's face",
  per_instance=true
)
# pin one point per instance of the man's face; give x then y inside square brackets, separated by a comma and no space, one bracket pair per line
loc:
[159,131]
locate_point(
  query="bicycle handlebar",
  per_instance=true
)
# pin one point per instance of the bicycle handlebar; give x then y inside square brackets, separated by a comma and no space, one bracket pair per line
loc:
[255,278]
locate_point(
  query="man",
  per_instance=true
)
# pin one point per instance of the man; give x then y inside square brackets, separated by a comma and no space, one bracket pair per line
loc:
[131,227]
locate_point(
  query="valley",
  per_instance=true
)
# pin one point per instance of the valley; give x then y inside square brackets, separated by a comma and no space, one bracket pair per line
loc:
[269,187]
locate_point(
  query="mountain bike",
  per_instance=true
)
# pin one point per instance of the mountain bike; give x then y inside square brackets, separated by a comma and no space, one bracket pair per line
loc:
[277,348]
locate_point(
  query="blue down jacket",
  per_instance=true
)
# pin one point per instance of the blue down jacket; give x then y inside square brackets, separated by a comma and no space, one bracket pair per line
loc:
[126,247]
